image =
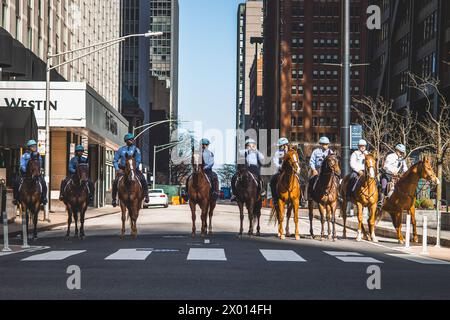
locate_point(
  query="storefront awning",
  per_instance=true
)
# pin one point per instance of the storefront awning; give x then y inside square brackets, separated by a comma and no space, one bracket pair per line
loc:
[17,126]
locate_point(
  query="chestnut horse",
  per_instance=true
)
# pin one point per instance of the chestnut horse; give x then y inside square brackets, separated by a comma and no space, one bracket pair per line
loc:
[404,196]
[130,195]
[288,191]
[30,193]
[199,191]
[365,196]
[325,191]
[77,198]
[248,193]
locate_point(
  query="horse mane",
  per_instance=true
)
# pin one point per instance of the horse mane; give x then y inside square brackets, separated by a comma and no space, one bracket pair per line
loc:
[408,173]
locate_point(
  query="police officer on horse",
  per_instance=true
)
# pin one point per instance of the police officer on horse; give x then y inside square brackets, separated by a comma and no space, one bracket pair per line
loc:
[119,164]
[318,155]
[394,166]
[357,166]
[208,160]
[77,159]
[277,162]
[31,152]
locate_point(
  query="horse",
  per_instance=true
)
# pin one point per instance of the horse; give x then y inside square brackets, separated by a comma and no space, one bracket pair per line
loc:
[324,190]
[30,193]
[404,196]
[199,192]
[77,198]
[365,196]
[288,191]
[130,195]
[248,193]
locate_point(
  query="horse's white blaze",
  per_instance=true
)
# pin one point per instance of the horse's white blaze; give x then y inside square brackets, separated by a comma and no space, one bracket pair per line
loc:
[372,172]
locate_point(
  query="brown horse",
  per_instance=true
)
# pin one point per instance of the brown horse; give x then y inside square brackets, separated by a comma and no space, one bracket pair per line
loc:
[288,191]
[248,193]
[77,198]
[199,191]
[325,191]
[30,193]
[404,196]
[130,195]
[365,196]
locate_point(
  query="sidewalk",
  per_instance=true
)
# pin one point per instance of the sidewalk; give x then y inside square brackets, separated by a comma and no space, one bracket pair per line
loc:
[57,218]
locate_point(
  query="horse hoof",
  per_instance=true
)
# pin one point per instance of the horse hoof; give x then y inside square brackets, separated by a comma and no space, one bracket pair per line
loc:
[288,235]
[282,237]
[122,237]
[374,239]
[297,237]
[193,235]
[359,237]
[401,242]
[67,237]
[330,237]
[416,239]
[210,233]
[258,234]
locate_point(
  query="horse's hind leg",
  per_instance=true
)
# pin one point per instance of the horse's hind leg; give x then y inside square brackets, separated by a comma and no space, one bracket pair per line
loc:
[250,208]
[296,205]
[322,211]
[35,221]
[241,216]
[333,217]
[69,222]
[212,206]
[344,218]
[373,211]
[82,216]
[280,219]
[192,205]
[258,216]
[412,212]
[122,231]
[311,217]
[75,217]
[288,218]
[328,211]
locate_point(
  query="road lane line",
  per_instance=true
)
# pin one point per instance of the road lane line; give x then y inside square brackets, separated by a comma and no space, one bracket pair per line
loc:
[342,253]
[281,255]
[418,259]
[129,254]
[53,255]
[206,254]
[352,257]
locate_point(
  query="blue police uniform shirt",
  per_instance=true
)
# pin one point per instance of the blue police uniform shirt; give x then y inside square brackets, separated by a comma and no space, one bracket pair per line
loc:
[317,158]
[254,157]
[208,159]
[74,161]
[121,155]
[25,158]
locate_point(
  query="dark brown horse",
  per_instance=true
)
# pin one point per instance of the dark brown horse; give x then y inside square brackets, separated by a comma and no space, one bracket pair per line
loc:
[130,195]
[77,198]
[199,191]
[30,193]
[325,192]
[404,196]
[365,196]
[288,191]
[248,193]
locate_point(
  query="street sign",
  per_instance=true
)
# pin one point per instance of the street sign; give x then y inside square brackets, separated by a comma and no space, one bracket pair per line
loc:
[356,134]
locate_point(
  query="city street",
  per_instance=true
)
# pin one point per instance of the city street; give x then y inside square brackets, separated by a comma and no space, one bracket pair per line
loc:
[166,263]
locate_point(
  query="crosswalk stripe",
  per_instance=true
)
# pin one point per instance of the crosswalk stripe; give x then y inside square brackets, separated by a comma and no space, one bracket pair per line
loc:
[353,257]
[53,255]
[418,259]
[281,255]
[206,254]
[129,254]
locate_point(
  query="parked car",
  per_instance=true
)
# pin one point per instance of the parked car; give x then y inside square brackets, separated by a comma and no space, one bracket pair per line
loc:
[157,197]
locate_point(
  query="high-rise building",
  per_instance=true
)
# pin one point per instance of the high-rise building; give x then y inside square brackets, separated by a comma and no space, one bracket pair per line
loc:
[135,70]
[84,96]
[302,92]
[250,25]
[414,37]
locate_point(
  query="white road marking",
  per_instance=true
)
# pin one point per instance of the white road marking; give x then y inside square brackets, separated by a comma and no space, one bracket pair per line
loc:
[53,255]
[418,259]
[206,254]
[354,257]
[129,254]
[281,255]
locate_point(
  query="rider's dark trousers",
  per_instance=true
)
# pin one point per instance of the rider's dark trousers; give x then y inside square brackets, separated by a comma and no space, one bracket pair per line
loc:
[385,179]
[352,183]
[212,176]
[90,186]
[18,181]
[141,177]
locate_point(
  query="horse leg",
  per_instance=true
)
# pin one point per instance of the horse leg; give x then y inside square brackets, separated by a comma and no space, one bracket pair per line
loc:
[360,221]
[373,211]
[401,240]
[192,205]
[69,221]
[311,217]
[35,221]
[281,218]
[241,215]
[412,212]
[288,219]
[205,208]
[82,216]
[250,208]
[212,205]
[124,216]
[333,207]
[344,217]
[75,217]
[296,204]
[322,221]
[328,211]
[258,216]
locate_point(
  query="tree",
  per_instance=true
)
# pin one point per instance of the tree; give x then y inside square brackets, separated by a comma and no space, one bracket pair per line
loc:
[226,173]
[180,173]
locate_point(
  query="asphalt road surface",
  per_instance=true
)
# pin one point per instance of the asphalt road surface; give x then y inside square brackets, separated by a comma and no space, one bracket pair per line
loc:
[166,263]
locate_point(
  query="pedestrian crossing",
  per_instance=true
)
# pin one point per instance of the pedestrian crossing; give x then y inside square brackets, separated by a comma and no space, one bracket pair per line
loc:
[222,255]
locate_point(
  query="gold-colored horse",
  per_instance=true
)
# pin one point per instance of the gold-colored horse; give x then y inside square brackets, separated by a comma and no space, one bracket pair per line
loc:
[288,191]
[365,196]
[404,196]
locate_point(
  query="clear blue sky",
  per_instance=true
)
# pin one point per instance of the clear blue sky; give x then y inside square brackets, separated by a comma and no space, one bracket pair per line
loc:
[207,70]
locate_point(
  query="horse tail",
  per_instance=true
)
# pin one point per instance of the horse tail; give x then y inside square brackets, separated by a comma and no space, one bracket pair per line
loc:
[273,214]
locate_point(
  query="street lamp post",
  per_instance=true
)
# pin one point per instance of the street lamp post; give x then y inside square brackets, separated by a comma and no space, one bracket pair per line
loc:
[157,149]
[49,68]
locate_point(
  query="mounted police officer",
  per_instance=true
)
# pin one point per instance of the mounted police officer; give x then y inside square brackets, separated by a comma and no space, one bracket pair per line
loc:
[317,157]
[357,165]
[77,159]
[253,158]
[28,154]
[277,161]
[208,160]
[119,164]
[394,166]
